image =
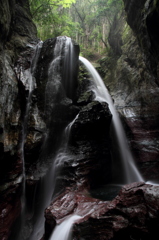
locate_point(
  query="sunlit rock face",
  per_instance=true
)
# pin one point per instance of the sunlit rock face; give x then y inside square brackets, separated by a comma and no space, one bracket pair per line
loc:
[131,76]
[132,214]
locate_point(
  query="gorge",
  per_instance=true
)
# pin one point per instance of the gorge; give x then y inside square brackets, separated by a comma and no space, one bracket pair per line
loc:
[56,139]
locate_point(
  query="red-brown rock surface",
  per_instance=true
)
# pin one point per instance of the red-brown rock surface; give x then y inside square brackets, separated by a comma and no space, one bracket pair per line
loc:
[10,207]
[132,214]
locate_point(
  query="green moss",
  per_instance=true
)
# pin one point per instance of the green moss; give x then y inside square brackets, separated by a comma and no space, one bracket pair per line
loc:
[126,33]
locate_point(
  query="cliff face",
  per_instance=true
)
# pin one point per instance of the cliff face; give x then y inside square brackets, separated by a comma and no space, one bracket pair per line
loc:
[131,76]
[143,18]
[18,36]
[145,27]
[18,32]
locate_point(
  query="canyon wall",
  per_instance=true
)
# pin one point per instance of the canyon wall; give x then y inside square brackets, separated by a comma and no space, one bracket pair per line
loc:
[17,43]
[131,74]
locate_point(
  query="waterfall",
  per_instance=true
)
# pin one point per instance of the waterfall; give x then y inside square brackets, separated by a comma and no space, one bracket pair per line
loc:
[102,95]
[48,182]
[62,231]
[67,69]
[54,85]
[69,72]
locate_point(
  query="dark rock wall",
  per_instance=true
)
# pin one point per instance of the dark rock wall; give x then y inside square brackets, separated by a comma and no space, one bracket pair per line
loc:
[145,27]
[143,18]
[17,33]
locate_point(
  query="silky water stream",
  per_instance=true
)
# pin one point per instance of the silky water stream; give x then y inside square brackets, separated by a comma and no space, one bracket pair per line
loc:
[131,173]
[63,231]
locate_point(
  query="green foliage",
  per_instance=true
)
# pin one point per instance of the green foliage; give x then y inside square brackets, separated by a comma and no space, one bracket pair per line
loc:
[87,22]
[51,17]
[95,19]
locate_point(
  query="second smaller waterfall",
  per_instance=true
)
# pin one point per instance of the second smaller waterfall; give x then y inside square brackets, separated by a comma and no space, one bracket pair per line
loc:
[48,182]
[63,230]
[102,95]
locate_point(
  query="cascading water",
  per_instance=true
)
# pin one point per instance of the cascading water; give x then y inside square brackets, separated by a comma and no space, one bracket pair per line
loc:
[131,172]
[62,231]
[61,52]
[69,72]
[48,182]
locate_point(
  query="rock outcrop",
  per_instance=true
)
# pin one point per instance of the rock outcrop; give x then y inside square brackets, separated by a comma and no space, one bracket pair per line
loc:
[132,214]
[89,160]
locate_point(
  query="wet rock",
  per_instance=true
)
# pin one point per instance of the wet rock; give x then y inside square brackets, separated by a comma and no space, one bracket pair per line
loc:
[17,41]
[133,214]
[6,11]
[10,207]
[143,17]
[68,203]
[93,121]
[133,87]
[88,162]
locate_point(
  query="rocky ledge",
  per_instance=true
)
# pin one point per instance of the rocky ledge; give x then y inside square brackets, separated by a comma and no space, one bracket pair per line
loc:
[132,214]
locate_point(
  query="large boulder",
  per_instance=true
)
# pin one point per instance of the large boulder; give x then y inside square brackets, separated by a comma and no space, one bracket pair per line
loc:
[89,159]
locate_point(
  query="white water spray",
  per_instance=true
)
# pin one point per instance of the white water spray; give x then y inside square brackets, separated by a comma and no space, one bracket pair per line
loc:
[54,85]
[102,95]
[63,230]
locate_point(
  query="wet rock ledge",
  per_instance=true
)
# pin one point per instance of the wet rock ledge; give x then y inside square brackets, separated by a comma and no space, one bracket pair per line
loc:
[132,214]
